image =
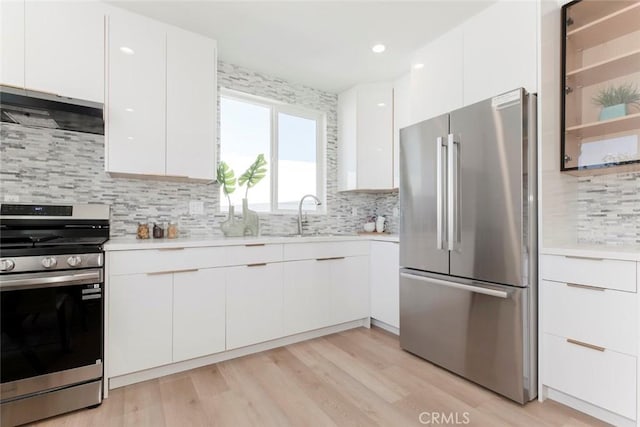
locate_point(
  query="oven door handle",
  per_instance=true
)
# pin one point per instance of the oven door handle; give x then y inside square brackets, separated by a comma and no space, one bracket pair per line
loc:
[48,281]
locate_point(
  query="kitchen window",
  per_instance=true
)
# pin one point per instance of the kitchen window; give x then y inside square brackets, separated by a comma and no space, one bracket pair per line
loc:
[292,140]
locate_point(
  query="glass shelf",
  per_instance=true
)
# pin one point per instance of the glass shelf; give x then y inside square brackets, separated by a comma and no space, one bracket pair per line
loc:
[601,52]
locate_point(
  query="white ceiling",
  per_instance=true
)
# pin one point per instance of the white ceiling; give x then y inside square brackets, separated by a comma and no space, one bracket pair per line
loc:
[322,44]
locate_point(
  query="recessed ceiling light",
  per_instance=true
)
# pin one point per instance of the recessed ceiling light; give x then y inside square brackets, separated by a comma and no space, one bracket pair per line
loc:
[127,50]
[378,48]
[381,104]
[418,66]
[129,110]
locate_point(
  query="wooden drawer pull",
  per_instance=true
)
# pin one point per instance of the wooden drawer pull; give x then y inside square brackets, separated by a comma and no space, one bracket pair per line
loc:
[261,264]
[591,288]
[583,257]
[330,258]
[584,344]
[171,249]
[252,245]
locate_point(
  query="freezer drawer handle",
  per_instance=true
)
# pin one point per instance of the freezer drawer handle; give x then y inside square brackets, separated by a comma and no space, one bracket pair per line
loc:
[584,344]
[477,290]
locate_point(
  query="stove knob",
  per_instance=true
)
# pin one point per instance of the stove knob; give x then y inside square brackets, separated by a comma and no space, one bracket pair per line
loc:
[74,261]
[7,265]
[49,262]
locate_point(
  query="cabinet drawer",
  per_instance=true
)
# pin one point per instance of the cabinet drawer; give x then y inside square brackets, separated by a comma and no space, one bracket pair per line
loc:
[319,250]
[603,273]
[253,254]
[602,378]
[158,260]
[603,317]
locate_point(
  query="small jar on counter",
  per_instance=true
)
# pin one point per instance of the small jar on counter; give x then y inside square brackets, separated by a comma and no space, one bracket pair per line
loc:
[143,231]
[172,230]
[158,231]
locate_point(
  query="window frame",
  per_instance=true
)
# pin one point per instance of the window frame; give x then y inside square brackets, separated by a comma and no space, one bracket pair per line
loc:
[276,107]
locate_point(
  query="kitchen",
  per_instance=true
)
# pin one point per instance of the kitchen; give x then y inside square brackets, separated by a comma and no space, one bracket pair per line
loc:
[253,294]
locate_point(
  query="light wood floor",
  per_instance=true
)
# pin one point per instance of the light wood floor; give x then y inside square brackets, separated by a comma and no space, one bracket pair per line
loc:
[357,377]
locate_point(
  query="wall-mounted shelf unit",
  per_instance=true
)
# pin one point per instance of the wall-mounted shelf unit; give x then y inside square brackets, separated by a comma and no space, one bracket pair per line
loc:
[601,52]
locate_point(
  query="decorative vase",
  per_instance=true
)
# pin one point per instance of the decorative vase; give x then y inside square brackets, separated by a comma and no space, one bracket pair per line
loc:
[231,227]
[250,220]
[613,111]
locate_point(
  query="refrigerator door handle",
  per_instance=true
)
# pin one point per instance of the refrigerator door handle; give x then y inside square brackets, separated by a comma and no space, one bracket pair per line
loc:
[439,195]
[469,288]
[452,196]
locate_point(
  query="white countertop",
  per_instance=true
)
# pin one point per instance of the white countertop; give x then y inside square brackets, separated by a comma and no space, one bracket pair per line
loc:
[622,253]
[131,243]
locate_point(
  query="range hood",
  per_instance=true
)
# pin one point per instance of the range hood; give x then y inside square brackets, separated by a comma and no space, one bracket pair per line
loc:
[44,110]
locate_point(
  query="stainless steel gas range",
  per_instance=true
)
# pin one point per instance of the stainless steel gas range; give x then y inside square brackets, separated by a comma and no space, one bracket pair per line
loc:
[51,283]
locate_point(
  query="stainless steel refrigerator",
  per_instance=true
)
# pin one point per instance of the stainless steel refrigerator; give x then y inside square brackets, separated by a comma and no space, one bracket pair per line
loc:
[468,252]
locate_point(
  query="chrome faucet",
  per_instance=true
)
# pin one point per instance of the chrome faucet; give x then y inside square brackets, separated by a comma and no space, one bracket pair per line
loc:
[318,203]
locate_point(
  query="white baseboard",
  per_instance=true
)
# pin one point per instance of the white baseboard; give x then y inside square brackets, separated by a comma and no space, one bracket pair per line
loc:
[161,371]
[588,408]
[387,327]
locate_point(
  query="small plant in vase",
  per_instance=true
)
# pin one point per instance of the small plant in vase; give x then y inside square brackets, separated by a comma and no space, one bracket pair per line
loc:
[251,177]
[615,101]
[227,180]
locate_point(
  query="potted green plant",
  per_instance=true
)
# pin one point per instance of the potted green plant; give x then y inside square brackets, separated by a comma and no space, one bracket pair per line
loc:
[251,177]
[616,100]
[227,179]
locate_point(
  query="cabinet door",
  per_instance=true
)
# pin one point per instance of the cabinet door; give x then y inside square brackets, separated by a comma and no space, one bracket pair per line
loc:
[254,304]
[437,87]
[375,136]
[385,290]
[349,288]
[140,308]
[500,48]
[191,105]
[12,45]
[401,118]
[64,48]
[198,313]
[135,140]
[307,296]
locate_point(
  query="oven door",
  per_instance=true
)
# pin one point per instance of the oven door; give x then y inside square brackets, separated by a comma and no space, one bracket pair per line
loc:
[52,329]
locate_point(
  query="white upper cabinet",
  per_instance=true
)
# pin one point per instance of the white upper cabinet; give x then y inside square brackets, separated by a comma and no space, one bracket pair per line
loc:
[136,101]
[401,118]
[436,87]
[162,100]
[365,140]
[191,105]
[12,43]
[64,48]
[500,50]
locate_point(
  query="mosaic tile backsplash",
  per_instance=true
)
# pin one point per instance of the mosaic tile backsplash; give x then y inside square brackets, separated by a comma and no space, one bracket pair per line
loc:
[52,166]
[609,209]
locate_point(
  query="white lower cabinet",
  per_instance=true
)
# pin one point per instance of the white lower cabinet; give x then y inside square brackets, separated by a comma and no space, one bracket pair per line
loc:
[170,305]
[385,282]
[602,377]
[589,334]
[198,313]
[307,304]
[140,308]
[349,284]
[325,291]
[254,304]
